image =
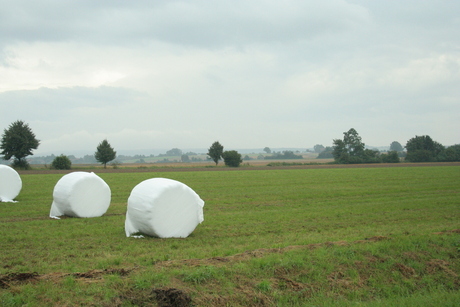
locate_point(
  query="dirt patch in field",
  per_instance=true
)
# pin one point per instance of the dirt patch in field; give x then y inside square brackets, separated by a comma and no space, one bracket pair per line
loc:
[439,265]
[7,280]
[171,297]
[448,232]
[405,270]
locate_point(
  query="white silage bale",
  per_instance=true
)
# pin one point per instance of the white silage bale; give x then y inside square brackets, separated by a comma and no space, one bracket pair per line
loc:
[80,194]
[10,183]
[163,208]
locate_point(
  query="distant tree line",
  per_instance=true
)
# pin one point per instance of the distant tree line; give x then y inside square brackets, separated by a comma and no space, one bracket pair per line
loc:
[18,141]
[351,150]
[282,156]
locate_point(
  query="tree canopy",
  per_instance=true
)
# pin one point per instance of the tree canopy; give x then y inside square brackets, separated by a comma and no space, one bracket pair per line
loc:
[215,151]
[326,153]
[232,158]
[18,141]
[105,153]
[287,154]
[396,146]
[61,162]
[174,152]
[350,149]
[318,148]
[185,158]
[423,149]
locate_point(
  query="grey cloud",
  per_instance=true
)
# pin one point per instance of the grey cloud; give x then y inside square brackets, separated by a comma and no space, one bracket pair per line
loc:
[199,23]
[63,103]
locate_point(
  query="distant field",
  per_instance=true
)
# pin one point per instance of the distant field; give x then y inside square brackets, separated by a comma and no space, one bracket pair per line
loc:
[373,236]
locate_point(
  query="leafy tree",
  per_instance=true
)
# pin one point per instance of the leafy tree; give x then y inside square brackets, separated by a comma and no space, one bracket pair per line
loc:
[288,154]
[396,146]
[174,152]
[232,158]
[339,151]
[104,153]
[423,149]
[452,153]
[318,148]
[350,149]
[267,150]
[61,162]
[18,141]
[390,157]
[185,158]
[215,152]
[353,143]
[371,156]
[326,153]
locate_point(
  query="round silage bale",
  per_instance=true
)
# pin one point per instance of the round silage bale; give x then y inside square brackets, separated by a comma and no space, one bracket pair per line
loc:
[10,183]
[80,194]
[163,208]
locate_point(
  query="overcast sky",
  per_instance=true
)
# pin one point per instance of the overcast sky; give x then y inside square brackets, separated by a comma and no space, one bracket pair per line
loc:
[250,74]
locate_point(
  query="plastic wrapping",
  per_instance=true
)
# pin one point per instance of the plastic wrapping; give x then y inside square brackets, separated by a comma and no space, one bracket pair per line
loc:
[10,184]
[80,194]
[163,208]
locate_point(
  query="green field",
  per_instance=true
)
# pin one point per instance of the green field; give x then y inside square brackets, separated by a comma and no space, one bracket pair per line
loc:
[299,237]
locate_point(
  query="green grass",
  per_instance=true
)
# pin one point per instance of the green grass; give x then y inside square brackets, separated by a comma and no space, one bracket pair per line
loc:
[267,239]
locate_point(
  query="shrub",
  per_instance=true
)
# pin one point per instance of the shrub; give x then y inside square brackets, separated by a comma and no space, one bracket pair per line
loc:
[285,155]
[61,162]
[232,158]
[390,157]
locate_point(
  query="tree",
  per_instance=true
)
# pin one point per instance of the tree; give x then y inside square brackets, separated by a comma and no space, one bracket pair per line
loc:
[318,148]
[174,152]
[339,151]
[350,149]
[61,162]
[452,153]
[396,146]
[104,153]
[185,158]
[326,153]
[18,141]
[232,158]
[288,154]
[390,157]
[353,143]
[423,149]
[215,152]
[267,150]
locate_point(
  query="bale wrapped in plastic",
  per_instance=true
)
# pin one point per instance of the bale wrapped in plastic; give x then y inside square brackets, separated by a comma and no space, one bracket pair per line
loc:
[163,208]
[10,184]
[80,194]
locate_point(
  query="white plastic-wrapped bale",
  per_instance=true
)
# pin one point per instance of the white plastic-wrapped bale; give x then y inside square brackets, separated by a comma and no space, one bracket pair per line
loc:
[10,183]
[163,208]
[80,194]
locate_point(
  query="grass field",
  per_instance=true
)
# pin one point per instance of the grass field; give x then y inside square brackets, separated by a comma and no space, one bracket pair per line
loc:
[299,237]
